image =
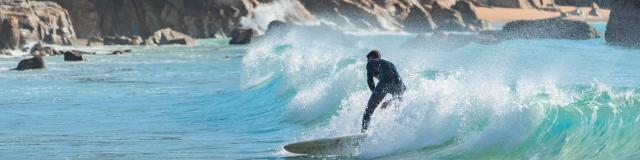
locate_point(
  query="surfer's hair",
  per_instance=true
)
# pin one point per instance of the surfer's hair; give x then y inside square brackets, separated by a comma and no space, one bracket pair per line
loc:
[374,54]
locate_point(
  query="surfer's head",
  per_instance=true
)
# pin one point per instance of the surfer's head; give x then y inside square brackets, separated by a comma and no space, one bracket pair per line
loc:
[374,54]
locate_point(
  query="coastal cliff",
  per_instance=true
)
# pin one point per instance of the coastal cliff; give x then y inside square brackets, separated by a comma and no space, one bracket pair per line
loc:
[218,18]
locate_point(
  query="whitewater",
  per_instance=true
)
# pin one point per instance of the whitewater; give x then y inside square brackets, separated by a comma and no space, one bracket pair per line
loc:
[520,99]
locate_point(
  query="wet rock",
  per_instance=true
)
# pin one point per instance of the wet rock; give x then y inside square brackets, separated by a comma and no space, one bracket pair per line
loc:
[243,36]
[168,36]
[73,56]
[554,28]
[10,34]
[623,27]
[37,62]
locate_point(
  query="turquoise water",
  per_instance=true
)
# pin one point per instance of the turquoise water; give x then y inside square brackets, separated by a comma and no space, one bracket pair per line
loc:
[523,99]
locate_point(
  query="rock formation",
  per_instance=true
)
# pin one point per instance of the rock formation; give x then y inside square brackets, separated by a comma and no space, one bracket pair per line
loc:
[10,34]
[73,56]
[39,20]
[418,20]
[595,10]
[468,11]
[198,18]
[37,62]
[623,27]
[448,18]
[554,28]
[168,36]
[215,18]
[243,35]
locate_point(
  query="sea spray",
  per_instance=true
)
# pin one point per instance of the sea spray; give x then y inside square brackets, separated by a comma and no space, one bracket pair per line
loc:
[472,102]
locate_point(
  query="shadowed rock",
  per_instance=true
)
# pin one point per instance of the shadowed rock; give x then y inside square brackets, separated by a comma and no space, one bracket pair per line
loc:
[447,18]
[32,63]
[10,34]
[554,28]
[469,15]
[243,36]
[72,56]
[623,27]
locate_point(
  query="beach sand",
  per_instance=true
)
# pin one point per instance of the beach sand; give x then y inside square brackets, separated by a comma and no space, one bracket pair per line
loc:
[498,16]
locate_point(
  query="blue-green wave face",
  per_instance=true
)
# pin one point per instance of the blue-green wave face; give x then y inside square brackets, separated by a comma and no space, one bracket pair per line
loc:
[522,99]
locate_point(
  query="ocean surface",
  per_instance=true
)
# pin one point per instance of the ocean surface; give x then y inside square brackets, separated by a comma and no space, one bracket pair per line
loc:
[521,99]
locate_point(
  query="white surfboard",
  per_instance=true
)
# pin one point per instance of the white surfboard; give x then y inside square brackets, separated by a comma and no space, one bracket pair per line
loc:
[346,145]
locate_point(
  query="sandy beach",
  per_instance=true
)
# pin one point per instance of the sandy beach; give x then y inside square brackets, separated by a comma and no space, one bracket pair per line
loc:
[500,16]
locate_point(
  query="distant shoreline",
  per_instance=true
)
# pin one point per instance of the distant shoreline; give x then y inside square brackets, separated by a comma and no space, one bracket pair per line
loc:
[495,15]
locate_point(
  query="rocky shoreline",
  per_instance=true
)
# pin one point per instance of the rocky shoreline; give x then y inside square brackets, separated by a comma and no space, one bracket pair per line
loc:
[161,22]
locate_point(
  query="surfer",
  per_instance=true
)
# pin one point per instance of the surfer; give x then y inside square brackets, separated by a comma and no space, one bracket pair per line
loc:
[388,82]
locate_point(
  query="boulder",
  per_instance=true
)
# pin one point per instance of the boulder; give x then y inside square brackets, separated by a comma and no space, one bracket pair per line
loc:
[553,28]
[37,62]
[595,10]
[623,26]
[447,18]
[168,36]
[73,56]
[10,34]
[469,15]
[243,36]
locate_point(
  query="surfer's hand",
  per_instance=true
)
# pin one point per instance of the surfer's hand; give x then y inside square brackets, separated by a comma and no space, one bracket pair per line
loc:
[384,105]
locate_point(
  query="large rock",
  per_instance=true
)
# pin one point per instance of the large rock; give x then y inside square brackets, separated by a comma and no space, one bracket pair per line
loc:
[243,36]
[418,20]
[447,18]
[10,34]
[40,20]
[623,27]
[168,36]
[73,56]
[469,15]
[32,63]
[554,28]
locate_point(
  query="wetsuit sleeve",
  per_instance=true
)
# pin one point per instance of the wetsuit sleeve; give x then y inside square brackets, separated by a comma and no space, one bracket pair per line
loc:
[370,76]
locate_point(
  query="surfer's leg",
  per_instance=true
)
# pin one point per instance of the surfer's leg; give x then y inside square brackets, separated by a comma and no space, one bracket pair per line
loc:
[376,97]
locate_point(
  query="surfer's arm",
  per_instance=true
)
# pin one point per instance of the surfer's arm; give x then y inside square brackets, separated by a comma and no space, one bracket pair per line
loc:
[370,77]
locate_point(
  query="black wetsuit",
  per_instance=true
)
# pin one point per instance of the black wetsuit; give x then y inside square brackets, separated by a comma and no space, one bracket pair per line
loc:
[388,82]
